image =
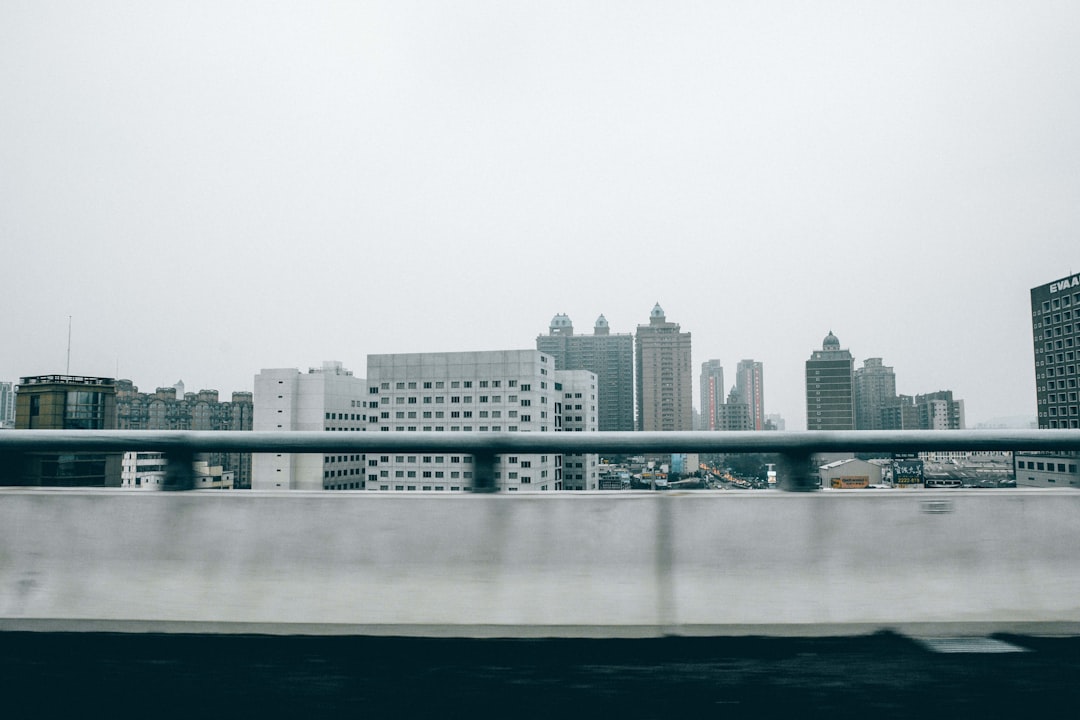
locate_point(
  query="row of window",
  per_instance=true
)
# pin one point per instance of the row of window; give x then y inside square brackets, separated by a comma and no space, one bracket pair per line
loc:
[1061,302]
[454,384]
[1033,465]
[454,400]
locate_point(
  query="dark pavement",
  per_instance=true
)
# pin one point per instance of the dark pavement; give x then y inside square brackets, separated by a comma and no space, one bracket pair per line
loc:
[878,676]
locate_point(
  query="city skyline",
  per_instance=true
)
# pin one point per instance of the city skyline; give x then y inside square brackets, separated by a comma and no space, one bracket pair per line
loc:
[381,179]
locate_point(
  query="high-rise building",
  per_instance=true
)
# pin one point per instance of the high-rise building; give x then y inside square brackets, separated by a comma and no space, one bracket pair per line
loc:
[496,391]
[712,394]
[66,402]
[610,356]
[830,396]
[7,405]
[1055,324]
[327,398]
[1055,318]
[875,390]
[664,376]
[750,386]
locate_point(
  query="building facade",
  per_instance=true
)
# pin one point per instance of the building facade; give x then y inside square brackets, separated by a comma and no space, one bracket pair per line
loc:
[326,399]
[711,386]
[875,390]
[1055,319]
[66,402]
[579,413]
[492,391]
[610,356]
[664,376]
[830,394]
[1055,324]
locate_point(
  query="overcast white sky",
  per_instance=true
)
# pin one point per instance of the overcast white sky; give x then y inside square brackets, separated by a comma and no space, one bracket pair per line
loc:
[211,188]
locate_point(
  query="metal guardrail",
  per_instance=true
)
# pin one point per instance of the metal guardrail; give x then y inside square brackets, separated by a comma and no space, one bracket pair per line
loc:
[796,448]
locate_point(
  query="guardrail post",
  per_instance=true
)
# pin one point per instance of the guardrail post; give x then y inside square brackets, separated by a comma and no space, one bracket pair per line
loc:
[179,474]
[484,472]
[795,472]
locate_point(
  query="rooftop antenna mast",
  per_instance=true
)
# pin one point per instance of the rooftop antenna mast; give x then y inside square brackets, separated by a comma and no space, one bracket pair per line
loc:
[67,370]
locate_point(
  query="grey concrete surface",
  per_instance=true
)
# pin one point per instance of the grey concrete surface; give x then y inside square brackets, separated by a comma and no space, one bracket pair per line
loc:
[559,565]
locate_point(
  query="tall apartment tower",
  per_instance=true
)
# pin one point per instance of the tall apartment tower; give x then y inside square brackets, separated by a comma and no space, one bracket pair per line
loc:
[712,394]
[610,356]
[750,386]
[66,402]
[875,390]
[830,396]
[1055,320]
[328,399]
[664,375]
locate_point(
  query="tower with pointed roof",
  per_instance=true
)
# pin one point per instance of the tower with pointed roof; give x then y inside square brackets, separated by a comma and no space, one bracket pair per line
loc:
[664,376]
[609,355]
[830,387]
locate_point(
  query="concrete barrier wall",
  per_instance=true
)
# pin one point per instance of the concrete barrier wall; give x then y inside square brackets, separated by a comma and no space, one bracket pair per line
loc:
[567,564]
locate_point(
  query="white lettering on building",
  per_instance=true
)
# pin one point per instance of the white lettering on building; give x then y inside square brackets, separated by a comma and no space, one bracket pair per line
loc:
[1072,282]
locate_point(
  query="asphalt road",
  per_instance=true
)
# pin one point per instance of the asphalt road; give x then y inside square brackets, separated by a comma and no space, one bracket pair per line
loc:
[878,676]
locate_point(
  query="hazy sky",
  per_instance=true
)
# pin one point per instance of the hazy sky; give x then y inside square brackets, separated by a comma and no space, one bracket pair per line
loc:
[210,188]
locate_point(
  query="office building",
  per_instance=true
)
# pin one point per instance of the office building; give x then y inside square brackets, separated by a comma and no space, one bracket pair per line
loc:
[494,391]
[664,376]
[750,387]
[712,394]
[1055,323]
[66,402]
[610,356]
[875,390]
[1055,318]
[326,399]
[578,413]
[830,396]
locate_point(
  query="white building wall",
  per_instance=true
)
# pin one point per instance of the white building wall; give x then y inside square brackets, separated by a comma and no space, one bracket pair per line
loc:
[579,414]
[325,399]
[492,391]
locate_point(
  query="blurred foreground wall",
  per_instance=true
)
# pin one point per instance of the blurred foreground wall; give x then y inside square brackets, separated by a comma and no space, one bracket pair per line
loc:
[568,564]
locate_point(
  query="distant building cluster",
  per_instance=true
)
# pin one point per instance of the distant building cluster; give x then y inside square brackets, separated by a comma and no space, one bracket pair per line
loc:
[841,397]
[171,408]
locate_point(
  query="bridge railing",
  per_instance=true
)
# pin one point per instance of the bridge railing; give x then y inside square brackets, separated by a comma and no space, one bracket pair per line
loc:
[795,448]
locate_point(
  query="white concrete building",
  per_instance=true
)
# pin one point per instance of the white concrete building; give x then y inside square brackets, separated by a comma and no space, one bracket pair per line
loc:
[328,398]
[494,391]
[577,412]
[146,471]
